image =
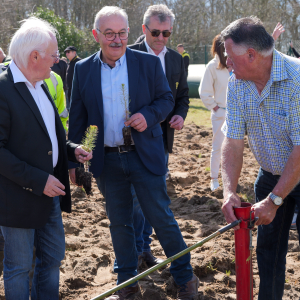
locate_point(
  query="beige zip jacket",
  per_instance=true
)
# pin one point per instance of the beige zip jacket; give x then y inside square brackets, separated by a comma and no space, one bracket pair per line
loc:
[213,86]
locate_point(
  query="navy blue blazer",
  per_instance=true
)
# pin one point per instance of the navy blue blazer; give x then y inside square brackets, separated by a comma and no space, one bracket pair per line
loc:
[149,94]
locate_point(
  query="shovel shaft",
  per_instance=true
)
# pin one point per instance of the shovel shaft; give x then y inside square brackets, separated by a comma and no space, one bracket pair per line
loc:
[165,262]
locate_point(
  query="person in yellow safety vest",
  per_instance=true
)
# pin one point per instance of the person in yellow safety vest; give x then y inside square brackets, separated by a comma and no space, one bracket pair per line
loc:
[55,87]
[185,56]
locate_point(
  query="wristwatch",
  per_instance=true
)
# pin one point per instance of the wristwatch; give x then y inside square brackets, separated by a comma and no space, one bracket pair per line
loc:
[276,199]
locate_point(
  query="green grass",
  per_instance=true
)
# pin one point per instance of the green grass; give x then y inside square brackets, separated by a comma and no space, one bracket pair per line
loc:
[198,113]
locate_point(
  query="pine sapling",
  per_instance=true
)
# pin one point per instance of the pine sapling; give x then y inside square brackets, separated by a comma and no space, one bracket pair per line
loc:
[83,176]
[125,101]
[90,138]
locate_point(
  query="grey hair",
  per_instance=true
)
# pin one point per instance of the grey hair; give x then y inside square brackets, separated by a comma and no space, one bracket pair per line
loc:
[109,11]
[34,34]
[161,11]
[248,33]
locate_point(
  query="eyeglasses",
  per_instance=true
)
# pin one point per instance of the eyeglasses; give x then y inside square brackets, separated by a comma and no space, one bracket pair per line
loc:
[156,32]
[55,56]
[110,36]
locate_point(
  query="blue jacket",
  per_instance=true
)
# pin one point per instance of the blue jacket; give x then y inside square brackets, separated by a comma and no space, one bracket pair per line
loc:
[149,94]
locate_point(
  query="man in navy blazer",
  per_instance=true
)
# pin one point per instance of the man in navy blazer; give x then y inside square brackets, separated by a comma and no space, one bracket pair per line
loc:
[101,84]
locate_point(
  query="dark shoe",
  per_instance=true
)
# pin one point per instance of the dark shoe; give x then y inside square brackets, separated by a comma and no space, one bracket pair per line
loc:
[125,293]
[151,260]
[189,290]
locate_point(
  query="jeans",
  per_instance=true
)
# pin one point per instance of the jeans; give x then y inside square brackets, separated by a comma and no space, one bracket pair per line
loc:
[141,225]
[120,171]
[18,252]
[272,239]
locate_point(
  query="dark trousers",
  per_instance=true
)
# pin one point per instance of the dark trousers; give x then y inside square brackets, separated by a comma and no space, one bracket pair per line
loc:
[272,239]
[121,170]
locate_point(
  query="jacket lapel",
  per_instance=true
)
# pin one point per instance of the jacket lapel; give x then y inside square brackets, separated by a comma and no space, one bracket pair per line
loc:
[133,76]
[96,81]
[168,65]
[26,95]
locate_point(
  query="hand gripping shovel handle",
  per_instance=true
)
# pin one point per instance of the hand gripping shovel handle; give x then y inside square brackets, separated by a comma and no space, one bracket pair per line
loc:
[165,262]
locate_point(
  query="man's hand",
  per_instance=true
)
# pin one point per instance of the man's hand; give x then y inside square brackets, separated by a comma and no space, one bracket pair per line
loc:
[138,122]
[278,30]
[82,156]
[231,201]
[72,176]
[265,210]
[216,108]
[53,187]
[176,122]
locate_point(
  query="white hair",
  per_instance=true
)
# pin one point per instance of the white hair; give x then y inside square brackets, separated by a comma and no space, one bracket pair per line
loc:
[161,11]
[241,49]
[34,34]
[110,11]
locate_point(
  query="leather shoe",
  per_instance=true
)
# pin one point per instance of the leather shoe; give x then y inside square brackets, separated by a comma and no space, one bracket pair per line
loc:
[125,293]
[151,260]
[189,290]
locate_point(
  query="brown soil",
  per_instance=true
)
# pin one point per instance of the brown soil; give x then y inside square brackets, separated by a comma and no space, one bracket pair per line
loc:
[87,269]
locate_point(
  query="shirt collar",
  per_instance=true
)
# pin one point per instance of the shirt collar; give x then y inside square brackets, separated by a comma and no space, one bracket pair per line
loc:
[149,50]
[19,76]
[278,71]
[120,61]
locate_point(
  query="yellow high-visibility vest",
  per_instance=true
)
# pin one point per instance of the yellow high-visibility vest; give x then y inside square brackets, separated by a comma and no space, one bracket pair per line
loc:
[55,87]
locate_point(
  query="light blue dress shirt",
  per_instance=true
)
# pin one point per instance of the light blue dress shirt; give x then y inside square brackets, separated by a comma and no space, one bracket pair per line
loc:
[113,106]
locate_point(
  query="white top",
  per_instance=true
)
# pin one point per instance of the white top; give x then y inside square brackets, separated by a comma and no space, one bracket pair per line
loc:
[43,103]
[161,55]
[113,102]
[213,86]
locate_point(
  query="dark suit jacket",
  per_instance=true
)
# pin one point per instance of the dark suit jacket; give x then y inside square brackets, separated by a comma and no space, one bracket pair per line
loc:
[26,157]
[70,74]
[149,94]
[175,73]
[61,69]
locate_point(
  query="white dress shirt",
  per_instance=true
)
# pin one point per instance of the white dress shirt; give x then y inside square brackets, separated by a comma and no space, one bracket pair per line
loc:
[161,55]
[113,106]
[43,103]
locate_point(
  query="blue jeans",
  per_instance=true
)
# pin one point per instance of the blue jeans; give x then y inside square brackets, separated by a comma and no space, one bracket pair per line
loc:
[141,225]
[18,252]
[119,172]
[272,239]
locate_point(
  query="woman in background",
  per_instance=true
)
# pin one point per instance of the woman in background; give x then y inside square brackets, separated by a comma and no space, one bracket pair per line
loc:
[212,92]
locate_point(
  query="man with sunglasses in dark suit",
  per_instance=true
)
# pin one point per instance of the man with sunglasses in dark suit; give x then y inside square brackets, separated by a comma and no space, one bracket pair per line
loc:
[157,27]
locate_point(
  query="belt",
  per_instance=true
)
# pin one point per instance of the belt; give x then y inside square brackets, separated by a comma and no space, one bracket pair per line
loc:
[120,149]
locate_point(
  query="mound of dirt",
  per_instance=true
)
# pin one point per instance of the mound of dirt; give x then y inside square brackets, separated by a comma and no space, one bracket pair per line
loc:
[87,269]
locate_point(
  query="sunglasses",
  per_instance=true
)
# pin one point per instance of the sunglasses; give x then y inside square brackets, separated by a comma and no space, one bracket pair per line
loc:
[156,33]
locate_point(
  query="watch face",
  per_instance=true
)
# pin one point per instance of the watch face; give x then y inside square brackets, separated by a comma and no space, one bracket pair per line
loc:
[277,201]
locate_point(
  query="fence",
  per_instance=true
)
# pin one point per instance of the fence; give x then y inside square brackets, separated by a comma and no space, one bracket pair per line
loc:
[201,54]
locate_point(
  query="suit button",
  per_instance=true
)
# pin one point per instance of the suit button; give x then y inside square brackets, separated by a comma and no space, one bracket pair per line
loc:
[50,153]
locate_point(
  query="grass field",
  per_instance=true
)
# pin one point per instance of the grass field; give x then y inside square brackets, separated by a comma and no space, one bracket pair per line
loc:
[198,113]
